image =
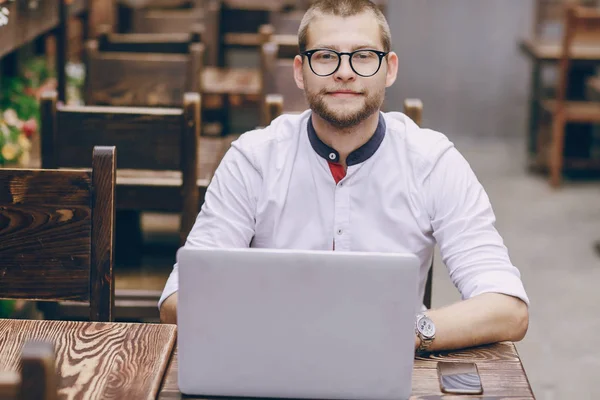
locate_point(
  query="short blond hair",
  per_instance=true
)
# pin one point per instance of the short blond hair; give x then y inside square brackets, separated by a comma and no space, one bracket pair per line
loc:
[343,8]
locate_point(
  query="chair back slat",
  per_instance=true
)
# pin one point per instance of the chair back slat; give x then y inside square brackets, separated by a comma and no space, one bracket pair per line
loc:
[45,231]
[146,138]
[139,78]
[165,21]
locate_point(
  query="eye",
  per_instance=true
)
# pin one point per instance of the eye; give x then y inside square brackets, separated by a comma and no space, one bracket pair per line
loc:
[365,55]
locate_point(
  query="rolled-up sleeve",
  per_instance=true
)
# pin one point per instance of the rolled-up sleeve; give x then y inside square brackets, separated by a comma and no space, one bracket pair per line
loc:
[463,225]
[227,217]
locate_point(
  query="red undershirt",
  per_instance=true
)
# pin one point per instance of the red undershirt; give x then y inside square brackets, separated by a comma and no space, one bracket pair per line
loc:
[337,171]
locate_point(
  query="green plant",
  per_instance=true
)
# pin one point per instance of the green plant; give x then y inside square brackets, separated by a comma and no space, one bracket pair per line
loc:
[20,109]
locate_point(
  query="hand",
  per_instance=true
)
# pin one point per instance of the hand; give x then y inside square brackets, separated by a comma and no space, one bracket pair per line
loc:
[417,342]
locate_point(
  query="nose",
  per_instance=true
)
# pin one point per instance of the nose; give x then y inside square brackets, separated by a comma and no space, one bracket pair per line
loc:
[345,72]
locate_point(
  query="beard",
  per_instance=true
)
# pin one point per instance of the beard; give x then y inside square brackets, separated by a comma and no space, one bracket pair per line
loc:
[345,117]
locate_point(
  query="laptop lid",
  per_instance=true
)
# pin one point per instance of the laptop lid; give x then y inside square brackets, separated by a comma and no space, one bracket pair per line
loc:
[296,324]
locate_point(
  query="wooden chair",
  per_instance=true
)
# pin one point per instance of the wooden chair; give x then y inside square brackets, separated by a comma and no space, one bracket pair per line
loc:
[287,23]
[148,69]
[57,233]
[582,27]
[241,21]
[37,379]
[158,18]
[277,75]
[552,12]
[143,70]
[158,170]
[272,108]
[158,165]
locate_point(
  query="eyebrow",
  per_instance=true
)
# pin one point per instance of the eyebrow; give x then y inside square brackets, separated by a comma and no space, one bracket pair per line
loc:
[353,48]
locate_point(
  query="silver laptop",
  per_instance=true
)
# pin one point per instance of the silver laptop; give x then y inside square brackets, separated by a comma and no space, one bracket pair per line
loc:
[296,324]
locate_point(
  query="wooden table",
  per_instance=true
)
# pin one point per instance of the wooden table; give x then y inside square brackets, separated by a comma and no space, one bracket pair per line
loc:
[584,59]
[96,360]
[502,374]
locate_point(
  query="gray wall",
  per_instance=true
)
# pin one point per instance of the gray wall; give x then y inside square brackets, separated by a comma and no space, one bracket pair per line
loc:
[461,58]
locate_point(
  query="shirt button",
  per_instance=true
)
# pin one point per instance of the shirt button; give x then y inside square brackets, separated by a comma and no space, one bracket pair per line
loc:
[339,232]
[332,156]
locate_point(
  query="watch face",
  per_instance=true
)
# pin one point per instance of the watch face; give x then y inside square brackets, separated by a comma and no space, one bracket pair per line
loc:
[426,327]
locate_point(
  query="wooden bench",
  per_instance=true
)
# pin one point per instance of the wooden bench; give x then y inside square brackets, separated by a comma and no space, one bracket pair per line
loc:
[57,233]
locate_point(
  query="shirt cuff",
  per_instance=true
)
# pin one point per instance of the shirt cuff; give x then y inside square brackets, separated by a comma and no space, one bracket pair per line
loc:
[171,286]
[495,282]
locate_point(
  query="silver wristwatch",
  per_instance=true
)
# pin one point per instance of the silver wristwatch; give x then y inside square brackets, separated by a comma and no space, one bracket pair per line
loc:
[425,330]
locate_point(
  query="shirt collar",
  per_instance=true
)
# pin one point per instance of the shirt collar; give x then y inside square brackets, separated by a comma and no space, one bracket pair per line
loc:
[358,156]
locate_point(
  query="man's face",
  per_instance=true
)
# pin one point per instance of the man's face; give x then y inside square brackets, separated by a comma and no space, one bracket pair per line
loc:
[345,99]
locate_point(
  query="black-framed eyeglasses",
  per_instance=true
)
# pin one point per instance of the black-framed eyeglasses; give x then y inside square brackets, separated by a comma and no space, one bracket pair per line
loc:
[325,62]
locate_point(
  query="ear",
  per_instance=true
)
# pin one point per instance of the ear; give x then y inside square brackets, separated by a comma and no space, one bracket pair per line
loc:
[392,69]
[298,75]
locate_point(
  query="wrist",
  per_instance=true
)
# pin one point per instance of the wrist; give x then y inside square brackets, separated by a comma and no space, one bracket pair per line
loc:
[425,332]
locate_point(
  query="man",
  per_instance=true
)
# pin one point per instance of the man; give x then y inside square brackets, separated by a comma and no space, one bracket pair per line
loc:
[343,176]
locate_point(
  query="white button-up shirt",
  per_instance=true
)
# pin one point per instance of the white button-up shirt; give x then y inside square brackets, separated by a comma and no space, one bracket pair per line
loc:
[405,191]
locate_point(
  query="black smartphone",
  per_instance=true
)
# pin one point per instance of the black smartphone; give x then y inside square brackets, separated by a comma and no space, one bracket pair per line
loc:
[459,377]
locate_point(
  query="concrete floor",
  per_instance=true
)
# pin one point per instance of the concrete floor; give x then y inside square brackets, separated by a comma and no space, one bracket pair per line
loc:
[549,235]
